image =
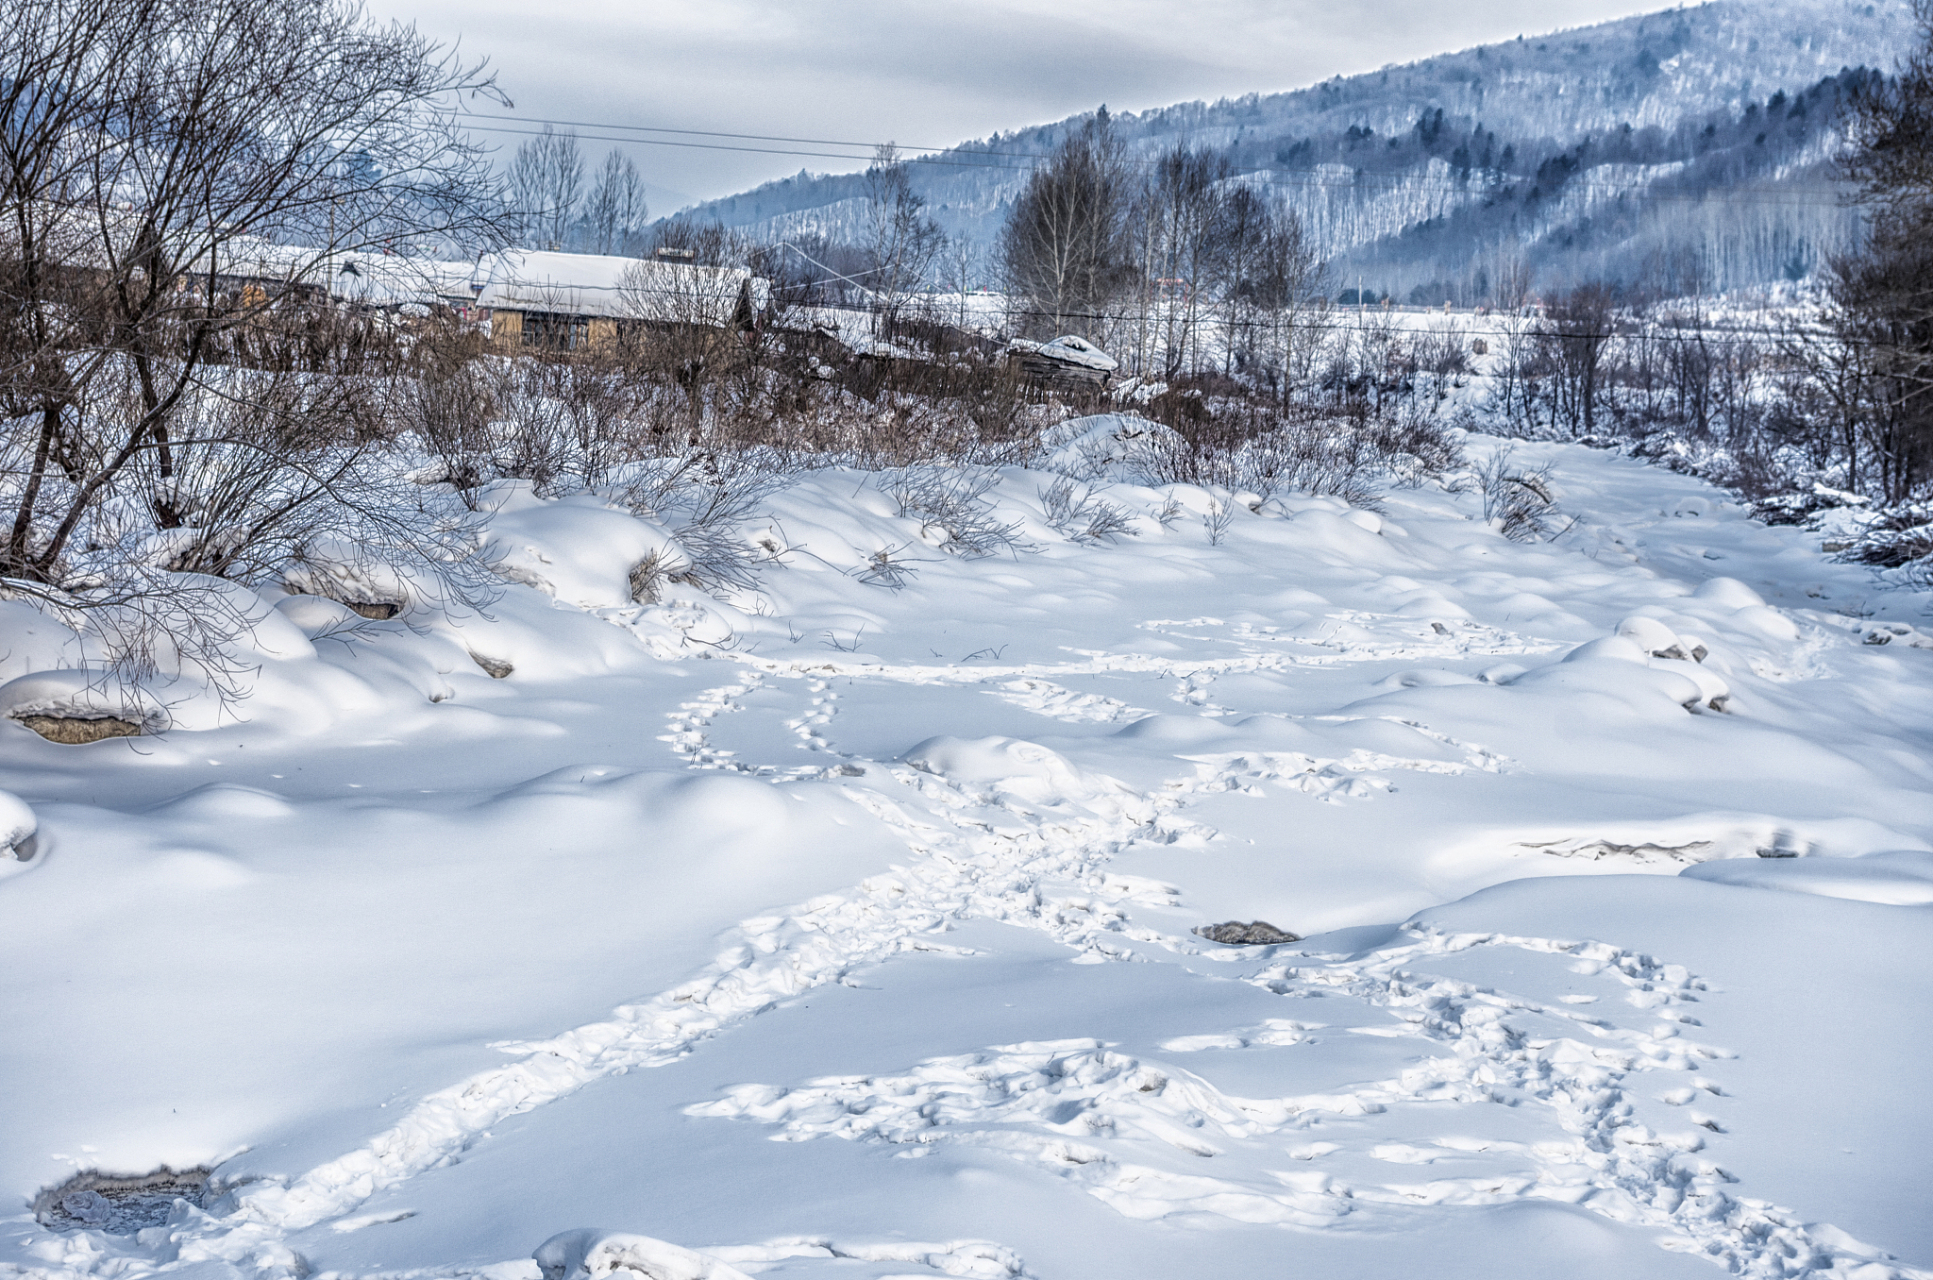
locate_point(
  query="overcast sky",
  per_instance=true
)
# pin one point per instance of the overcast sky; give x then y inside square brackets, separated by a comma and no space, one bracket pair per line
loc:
[931,72]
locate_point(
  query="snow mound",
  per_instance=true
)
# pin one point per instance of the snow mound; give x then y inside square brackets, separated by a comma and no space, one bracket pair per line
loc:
[1649,643]
[1899,879]
[17,824]
[79,695]
[346,571]
[1659,640]
[580,550]
[1112,445]
[1729,592]
[590,1254]
[34,641]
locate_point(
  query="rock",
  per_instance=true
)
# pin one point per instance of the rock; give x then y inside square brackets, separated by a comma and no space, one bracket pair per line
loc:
[1236,934]
[73,731]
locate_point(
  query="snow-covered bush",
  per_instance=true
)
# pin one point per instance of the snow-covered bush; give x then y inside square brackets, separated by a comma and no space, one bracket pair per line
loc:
[1075,510]
[951,505]
[1520,501]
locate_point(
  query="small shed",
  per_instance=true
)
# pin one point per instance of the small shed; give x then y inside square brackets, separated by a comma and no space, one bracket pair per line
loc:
[1067,360]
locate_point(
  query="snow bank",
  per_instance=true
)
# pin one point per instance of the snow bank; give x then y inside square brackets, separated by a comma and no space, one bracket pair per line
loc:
[590,1254]
[1901,879]
[17,824]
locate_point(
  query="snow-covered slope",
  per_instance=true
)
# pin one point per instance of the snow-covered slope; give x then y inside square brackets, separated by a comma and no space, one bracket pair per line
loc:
[843,930]
[1589,101]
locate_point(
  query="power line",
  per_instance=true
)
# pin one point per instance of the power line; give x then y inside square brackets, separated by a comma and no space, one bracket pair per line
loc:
[752,137]
[1792,195]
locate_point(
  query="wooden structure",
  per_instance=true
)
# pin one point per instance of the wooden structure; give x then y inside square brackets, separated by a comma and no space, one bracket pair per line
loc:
[579,301]
[1067,361]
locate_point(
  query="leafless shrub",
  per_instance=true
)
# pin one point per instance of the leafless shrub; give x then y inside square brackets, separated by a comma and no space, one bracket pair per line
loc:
[178,395]
[1443,358]
[705,497]
[145,622]
[887,567]
[1329,456]
[450,411]
[1215,521]
[951,501]
[647,577]
[1076,511]
[1519,500]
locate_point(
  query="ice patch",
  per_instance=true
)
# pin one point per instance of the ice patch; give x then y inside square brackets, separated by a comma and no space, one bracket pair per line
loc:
[117,1204]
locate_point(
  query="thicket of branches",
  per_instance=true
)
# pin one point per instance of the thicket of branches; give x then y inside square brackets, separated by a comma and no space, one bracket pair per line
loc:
[153,419]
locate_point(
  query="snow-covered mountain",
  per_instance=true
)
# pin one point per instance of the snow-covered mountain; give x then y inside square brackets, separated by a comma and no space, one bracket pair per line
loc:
[1590,152]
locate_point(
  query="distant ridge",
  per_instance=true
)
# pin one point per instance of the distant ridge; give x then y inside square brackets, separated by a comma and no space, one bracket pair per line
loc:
[1701,136]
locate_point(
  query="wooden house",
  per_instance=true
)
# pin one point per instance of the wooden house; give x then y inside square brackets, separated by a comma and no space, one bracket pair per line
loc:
[575,301]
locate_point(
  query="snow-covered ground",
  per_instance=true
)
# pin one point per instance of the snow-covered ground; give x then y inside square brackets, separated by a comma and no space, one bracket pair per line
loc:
[845,930]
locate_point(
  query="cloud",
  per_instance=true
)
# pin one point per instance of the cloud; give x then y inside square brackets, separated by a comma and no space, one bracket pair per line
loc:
[929,74]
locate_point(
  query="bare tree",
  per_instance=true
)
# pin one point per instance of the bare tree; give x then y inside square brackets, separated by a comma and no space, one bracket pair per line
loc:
[1577,328]
[1064,249]
[903,240]
[546,182]
[1883,294]
[961,267]
[1272,283]
[615,212]
[178,180]
[1183,223]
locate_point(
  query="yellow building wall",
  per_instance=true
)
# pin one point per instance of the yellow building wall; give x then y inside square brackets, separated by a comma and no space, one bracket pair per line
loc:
[506,328]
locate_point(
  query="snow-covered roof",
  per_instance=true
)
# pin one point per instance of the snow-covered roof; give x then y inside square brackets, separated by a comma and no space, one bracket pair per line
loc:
[383,279]
[1068,349]
[588,284]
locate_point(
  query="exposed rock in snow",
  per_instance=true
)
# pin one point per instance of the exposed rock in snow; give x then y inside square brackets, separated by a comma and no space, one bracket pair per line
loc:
[1237,934]
[80,706]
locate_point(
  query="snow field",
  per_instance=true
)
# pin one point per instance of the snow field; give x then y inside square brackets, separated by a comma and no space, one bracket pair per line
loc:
[396,870]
